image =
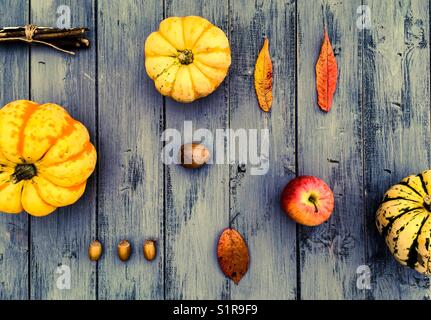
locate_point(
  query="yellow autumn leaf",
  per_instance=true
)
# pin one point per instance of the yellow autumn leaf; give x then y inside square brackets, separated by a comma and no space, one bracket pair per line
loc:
[263,78]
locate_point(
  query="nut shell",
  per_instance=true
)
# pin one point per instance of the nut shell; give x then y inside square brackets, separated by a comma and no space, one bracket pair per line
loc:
[150,250]
[194,155]
[124,250]
[95,250]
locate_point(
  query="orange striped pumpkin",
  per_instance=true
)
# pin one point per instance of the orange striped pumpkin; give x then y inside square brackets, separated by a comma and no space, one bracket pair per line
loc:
[46,158]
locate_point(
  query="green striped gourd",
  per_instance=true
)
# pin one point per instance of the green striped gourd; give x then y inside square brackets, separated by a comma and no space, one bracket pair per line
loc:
[404,220]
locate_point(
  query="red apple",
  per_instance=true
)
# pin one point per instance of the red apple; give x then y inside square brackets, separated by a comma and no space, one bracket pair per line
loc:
[308,200]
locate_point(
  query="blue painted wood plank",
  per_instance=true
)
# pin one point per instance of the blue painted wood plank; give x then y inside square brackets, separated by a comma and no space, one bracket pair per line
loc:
[255,196]
[130,168]
[330,146]
[397,127]
[14,77]
[61,239]
[197,201]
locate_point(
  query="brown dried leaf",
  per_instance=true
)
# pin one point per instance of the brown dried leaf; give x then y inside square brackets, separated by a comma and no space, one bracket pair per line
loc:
[232,254]
[263,78]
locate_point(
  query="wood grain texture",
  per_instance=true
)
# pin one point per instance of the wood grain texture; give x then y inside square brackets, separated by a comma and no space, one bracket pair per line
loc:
[14,77]
[62,238]
[255,198]
[397,126]
[377,132]
[197,201]
[330,147]
[130,169]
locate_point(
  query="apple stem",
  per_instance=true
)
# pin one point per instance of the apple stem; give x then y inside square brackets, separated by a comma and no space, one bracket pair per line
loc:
[314,203]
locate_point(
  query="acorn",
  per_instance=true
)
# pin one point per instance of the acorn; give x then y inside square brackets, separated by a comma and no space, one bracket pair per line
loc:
[124,250]
[194,155]
[95,250]
[150,250]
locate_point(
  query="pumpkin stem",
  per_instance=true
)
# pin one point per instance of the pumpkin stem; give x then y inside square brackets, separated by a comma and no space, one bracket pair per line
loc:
[185,56]
[427,202]
[24,172]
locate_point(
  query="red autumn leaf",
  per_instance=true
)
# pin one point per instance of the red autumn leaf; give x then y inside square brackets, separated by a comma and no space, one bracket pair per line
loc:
[326,75]
[232,254]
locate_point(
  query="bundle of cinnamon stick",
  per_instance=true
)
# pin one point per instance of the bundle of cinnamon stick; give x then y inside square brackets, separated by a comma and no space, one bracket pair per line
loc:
[63,40]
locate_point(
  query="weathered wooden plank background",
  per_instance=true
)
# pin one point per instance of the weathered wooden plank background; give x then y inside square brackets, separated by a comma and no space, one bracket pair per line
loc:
[130,197]
[14,230]
[377,132]
[254,197]
[62,239]
[396,126]
[330,146]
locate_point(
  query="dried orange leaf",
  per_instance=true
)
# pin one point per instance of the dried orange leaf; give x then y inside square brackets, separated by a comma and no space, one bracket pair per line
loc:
[232,254]
[326,75]
[263,78]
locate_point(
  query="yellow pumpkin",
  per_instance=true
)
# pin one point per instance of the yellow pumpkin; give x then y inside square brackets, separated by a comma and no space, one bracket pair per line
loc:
[404,220]
[188,57]
[46,158]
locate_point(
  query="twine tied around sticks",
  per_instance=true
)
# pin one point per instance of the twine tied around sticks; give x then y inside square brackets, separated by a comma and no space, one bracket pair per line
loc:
[29,31]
